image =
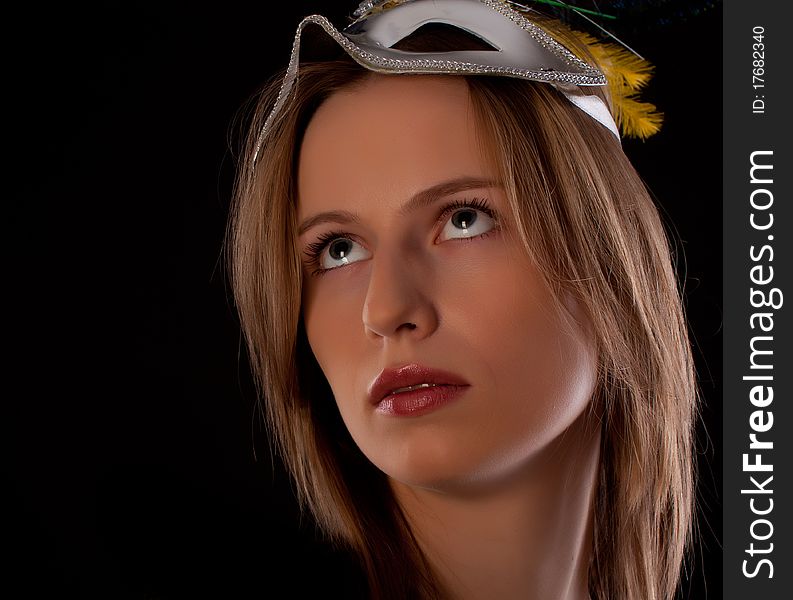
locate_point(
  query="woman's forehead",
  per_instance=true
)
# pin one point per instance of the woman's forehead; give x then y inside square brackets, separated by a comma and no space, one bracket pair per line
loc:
[386,138]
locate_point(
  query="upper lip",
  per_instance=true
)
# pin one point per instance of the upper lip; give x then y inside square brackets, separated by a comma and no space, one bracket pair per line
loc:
[394,378]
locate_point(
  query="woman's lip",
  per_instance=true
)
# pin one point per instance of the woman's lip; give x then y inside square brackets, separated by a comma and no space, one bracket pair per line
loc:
[391,379]
[419,401]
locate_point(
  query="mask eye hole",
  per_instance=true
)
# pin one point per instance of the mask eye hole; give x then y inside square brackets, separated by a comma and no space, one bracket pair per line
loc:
[442,37]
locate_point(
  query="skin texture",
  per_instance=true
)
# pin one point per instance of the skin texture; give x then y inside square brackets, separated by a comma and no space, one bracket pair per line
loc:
[499,483]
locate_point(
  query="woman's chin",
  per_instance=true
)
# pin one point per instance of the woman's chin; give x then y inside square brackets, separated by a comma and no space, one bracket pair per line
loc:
[429,464]
[449,468]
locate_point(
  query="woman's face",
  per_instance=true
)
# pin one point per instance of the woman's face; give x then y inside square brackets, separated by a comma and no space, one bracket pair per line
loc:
[417,283]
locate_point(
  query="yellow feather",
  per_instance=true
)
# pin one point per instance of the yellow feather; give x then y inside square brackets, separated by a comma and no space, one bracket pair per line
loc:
[636,118]
[618,63]
[626,74]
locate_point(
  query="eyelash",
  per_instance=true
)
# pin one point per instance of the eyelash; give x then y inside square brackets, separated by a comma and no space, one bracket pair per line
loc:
[314,250]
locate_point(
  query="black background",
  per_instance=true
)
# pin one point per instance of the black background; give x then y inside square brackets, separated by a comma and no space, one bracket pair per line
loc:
[133,442]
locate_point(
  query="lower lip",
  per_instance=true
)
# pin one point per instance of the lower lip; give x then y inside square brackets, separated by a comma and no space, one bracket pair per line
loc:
[420,401]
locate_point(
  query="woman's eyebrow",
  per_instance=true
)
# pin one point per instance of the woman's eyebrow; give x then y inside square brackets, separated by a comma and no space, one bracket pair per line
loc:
[418,200]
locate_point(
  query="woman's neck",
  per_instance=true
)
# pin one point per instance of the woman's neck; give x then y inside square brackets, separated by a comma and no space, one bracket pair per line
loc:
[528,538]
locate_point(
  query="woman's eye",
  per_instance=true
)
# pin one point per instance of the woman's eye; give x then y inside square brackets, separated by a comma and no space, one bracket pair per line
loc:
[467,222]
[341,251]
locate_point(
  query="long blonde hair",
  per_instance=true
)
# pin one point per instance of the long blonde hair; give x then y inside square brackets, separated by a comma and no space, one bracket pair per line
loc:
[590,226]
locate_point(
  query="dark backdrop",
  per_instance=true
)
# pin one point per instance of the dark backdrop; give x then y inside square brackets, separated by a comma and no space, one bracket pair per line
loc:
[137,467]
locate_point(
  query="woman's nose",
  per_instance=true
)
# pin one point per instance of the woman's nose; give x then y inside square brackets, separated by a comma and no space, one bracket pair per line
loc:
[399,299]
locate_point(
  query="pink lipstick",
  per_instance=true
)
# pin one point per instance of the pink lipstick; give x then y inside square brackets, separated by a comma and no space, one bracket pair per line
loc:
[414,390]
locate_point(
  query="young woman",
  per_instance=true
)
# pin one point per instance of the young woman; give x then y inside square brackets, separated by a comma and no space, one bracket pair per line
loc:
[460,307]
